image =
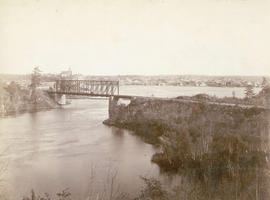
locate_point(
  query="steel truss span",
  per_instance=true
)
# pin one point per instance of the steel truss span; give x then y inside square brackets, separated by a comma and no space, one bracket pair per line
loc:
[87,87]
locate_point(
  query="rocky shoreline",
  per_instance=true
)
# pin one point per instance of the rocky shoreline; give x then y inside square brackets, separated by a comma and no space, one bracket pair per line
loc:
[23,105]
[189,129]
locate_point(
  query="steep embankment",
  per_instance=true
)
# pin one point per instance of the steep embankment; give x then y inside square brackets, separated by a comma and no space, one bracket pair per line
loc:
[21,102]
[153,116]
[192,129]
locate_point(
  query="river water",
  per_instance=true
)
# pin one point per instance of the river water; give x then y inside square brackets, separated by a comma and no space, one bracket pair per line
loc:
[174,91]
[49,151]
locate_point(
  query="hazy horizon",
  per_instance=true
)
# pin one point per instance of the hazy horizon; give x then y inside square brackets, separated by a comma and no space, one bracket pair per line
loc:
[149,75]
[143,37]
[74,72]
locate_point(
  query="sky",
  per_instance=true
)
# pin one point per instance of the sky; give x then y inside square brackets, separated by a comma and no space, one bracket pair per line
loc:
[143,37]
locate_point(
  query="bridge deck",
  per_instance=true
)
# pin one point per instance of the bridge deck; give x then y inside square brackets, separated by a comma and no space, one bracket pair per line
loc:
[93,94]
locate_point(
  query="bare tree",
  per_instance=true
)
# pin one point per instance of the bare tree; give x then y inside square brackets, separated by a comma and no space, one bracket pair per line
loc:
[110,190]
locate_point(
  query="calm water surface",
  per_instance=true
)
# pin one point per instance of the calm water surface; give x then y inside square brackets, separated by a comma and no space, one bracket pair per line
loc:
[57,149]
[174,91]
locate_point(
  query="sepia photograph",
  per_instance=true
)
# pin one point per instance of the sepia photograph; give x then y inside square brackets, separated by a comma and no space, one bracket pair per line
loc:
[134,99]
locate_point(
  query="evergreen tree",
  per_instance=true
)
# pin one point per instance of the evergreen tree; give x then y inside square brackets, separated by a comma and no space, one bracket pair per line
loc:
[35,82]
[249,92]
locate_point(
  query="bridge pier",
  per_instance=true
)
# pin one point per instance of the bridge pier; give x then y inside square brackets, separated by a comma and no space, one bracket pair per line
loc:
[60,98]
[112,103]
[116,101]
[63,100]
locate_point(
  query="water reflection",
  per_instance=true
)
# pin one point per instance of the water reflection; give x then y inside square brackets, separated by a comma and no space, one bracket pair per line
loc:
[118,132]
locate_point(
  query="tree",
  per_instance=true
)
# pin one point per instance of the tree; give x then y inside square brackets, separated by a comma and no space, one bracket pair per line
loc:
[249,92]
[3,92]
[265,95]
[233,94]
[13,90]
[35,82]
[264,82]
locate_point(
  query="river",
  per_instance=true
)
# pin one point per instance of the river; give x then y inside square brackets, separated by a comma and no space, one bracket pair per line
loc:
[49,151]
[174,91]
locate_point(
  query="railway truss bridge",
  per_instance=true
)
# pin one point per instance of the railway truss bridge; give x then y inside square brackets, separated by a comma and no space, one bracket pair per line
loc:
[92,88]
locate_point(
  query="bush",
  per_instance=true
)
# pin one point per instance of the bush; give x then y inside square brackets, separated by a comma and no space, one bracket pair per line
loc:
[153,190]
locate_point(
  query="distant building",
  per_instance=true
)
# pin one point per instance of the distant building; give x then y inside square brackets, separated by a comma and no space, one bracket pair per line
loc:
[81,77]
[66,74]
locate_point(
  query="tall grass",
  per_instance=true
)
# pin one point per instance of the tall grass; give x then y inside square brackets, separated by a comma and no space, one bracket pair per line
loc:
[109,189]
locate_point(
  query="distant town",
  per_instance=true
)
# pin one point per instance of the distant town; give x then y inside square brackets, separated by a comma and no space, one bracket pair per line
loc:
[155,80]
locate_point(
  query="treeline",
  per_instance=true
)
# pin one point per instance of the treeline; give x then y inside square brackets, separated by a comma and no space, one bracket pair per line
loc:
[262,99]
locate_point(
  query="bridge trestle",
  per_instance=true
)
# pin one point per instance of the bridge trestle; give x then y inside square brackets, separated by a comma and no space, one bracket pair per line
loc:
[88,87]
